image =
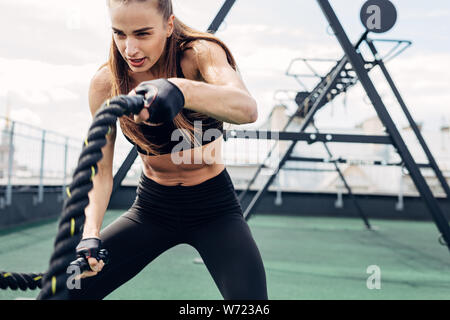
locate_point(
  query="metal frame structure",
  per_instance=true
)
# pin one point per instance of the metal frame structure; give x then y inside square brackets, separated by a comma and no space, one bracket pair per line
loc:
[358,65]
[327,88]
[15,129]
[342,87]
[347,80]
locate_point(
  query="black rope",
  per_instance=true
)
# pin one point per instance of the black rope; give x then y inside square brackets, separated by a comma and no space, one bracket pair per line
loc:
[53,282]
[22,281]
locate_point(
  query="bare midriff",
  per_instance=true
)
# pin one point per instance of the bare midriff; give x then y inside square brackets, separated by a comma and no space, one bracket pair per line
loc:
[185,168]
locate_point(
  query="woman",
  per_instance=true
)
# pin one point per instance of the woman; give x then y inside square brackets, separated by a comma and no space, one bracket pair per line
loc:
[191,87]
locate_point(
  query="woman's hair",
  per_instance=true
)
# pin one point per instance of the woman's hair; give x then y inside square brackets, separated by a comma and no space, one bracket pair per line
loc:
[178,42]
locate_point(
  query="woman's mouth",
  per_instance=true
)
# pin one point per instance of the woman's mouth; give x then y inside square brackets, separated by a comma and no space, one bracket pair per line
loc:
[137,62]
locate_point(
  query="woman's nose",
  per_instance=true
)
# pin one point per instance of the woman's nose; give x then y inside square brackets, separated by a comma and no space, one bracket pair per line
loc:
[131,49]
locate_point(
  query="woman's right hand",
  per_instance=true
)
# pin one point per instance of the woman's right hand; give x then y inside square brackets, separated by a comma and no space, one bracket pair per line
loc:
[163,100]
[88,248]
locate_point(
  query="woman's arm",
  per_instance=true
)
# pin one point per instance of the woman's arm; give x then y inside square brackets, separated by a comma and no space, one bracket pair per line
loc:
[100,195]
[223,94]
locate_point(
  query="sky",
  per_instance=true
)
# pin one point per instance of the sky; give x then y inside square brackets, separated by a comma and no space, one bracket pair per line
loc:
[51,49]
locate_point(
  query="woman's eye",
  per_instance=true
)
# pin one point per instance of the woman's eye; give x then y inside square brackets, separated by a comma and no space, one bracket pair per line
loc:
[119,34]
[140,34]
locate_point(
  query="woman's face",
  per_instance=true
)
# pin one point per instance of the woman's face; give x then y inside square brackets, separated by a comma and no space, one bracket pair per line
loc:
[140,33]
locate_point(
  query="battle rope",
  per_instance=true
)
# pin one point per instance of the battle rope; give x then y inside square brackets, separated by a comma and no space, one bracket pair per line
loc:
[73,217]
[22,281]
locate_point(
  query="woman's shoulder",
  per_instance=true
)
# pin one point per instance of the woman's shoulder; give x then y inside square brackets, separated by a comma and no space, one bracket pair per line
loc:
[100,88]
[101,81]
[198,53]
[200,48]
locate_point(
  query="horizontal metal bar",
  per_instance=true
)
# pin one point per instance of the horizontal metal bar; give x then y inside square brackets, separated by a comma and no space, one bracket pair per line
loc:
[366,162]
[304,136]
[37,128]
[307,169]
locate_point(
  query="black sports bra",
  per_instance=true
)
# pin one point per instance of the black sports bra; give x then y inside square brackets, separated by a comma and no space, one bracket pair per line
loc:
[170,139]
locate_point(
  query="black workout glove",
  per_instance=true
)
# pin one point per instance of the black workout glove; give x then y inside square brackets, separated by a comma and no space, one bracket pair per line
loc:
[163,99]
[89,248]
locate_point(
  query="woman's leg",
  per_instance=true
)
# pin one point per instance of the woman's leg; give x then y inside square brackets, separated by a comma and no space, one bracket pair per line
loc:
[229,251]
[132,243]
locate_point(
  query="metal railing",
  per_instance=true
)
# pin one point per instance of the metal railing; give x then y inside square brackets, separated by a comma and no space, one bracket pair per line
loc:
[38,158]
[34,157]
[371,169]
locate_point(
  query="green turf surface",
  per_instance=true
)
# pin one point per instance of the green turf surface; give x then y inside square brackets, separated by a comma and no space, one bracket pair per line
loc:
[305,258]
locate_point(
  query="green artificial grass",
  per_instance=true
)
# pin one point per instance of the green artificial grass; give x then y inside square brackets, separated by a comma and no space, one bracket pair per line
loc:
[304,257]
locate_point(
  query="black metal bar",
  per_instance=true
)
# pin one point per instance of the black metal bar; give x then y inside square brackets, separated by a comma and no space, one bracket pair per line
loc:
[353,161]
[223,12]
[123,170]
[307,169]
[317,160]
[305,136]
[416,175]
[132,155]
[411,121]
[309,117]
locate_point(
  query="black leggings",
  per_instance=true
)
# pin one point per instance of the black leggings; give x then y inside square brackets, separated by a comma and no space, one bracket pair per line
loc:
[207,216]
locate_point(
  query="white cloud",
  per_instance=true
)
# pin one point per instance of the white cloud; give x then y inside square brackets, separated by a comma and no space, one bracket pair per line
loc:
[62,94]
[42,93]
[438,13]
[21,74]
[33,96]
[26,115]
[198,13]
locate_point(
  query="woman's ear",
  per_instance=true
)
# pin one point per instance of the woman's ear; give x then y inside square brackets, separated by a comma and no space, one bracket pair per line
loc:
[170,25]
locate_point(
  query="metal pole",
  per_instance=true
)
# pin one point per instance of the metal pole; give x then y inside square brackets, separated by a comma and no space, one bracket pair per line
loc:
[279,198]
[399,206]
[10,165]
[223,12]
[339,203]
[41,171]
[123,170]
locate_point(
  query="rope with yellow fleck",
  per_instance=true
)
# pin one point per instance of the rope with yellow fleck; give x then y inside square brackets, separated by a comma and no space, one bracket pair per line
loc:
[22,281]
[53,282]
